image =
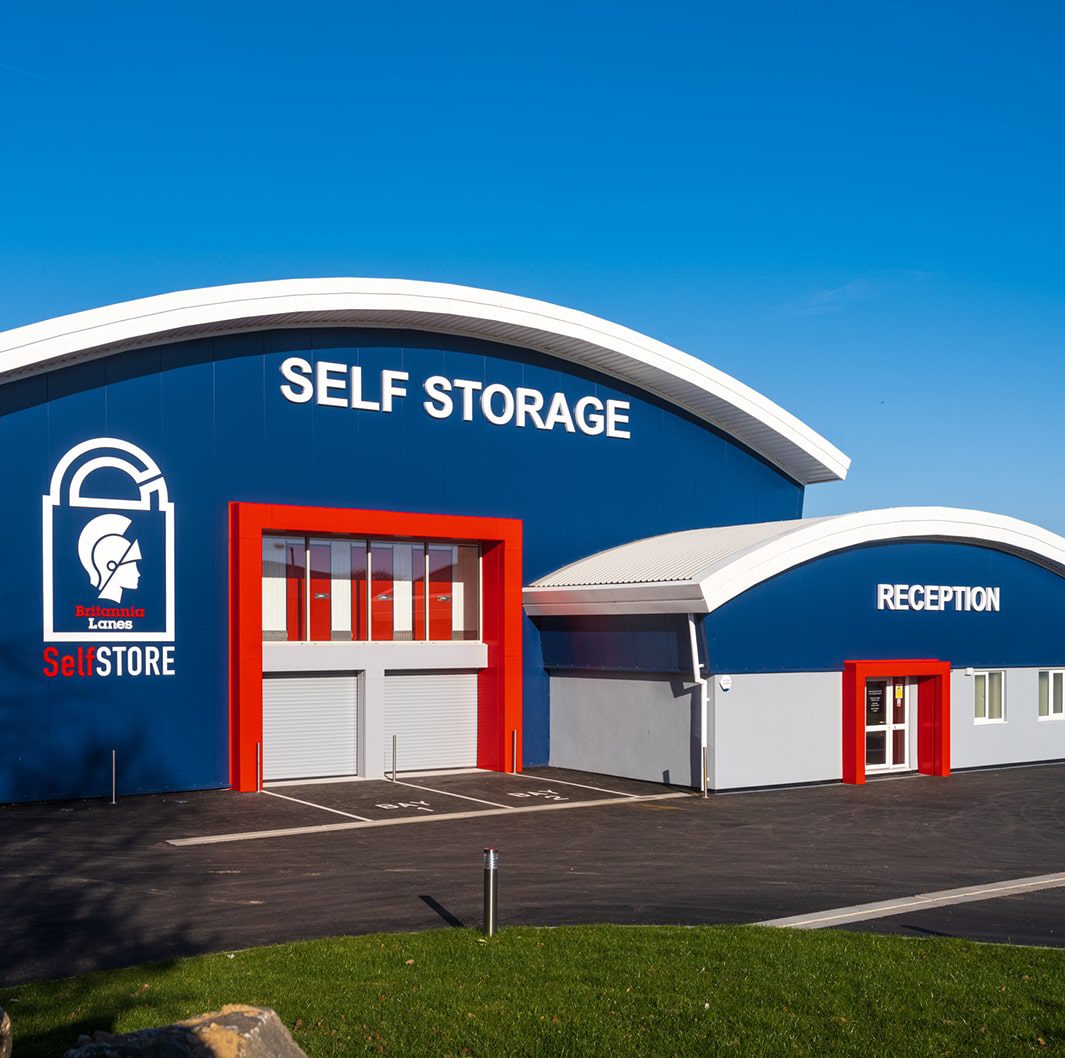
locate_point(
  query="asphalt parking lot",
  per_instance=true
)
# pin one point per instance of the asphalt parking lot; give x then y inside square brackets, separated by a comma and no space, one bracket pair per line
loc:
[87,885]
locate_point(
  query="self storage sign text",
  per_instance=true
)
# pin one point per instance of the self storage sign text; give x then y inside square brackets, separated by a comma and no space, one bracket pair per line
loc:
[335,385]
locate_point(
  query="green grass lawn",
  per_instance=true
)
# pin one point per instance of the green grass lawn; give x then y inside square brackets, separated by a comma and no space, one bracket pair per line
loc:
[597,990]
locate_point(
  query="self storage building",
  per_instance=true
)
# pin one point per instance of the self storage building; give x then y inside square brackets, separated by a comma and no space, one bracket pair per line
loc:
[270,531]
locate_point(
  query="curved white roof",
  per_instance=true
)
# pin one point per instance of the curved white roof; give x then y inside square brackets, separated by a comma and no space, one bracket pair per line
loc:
[698,570]
[624,354]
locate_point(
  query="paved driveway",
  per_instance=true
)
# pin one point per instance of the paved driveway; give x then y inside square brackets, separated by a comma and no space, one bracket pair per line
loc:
[86,885]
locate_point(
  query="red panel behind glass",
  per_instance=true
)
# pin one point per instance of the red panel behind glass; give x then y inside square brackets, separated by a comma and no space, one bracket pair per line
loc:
[321,614]
[381,566]
[295,591]
[441,590]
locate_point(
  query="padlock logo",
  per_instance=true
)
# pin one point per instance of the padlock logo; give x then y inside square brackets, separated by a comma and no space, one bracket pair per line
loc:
[108,561]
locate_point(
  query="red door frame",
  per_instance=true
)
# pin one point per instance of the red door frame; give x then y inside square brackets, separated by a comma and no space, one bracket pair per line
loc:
[933,712]
[499,685]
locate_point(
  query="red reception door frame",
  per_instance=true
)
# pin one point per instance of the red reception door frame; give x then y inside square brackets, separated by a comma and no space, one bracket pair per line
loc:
[933,712]
[499,685]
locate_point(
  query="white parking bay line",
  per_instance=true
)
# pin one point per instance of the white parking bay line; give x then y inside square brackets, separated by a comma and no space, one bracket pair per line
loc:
[840,916]
[448,793]
[328,828]
[562,782]
[313,804]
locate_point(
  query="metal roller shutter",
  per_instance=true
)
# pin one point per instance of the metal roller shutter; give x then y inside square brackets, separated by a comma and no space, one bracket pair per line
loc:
[309,726]
[434,718]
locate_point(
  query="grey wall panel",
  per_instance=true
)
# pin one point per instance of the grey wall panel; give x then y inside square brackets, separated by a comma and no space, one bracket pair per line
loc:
[777,728]
[434,718]
[1022,737]
[641,727]
[309,726]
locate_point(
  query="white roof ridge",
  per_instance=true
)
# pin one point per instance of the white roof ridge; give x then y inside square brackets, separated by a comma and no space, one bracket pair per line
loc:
[608,348]
[646,577]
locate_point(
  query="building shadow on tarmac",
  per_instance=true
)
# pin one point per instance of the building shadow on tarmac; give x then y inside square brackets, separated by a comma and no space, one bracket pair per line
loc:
[80,888]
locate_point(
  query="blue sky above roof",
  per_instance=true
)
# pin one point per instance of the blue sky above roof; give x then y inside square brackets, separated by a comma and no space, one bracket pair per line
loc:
[856,211]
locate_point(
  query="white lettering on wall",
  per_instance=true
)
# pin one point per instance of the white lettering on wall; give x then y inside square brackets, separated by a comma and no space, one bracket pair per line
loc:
[336,385]
[960,598]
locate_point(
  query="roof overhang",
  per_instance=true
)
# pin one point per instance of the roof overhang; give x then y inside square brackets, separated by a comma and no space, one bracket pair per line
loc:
[613,350]
[707,589]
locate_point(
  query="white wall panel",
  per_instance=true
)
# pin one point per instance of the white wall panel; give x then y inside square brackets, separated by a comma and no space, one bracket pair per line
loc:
[340,588]
[275,616]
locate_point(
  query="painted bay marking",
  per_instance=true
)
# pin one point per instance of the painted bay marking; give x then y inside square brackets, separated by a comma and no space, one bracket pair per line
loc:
[840,916]
[447,793]
[311,804]
[418,806]
[547,795]
[328,828]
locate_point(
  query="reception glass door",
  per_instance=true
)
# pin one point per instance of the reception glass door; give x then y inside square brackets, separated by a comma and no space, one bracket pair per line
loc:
[887,725]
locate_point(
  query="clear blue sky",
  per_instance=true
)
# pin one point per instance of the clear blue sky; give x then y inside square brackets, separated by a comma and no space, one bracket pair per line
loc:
[857,208]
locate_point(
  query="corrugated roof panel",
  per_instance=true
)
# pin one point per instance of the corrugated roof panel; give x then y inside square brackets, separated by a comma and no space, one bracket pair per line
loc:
[682,556]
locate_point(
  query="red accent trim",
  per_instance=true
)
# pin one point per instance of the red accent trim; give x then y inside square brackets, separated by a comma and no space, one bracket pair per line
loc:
[933,712]
[499,685]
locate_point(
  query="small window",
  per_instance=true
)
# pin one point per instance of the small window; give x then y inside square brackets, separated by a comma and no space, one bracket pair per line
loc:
[989,697]
[1052,694]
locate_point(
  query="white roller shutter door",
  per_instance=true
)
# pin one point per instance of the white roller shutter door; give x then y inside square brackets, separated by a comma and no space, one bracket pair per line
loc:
[309,726]
[434,718]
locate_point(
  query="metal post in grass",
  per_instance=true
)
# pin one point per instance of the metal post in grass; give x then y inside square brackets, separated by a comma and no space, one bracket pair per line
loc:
[491,890]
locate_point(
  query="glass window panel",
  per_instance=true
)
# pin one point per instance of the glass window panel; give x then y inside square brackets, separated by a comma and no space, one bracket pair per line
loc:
[980,696]
[418,593]
[381,627]
[1059,693]
[466,593]
[340,590]
[321,589]
[357,592]
[398,571]
[875,748]
[1044,694]
[898,746]
[441,590]
[994,696]
[275,573]
[876,692]
[898,715]
[296,589]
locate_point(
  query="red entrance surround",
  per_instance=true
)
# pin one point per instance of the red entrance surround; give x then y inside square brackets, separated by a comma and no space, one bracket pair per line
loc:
[498,685]
[933,713]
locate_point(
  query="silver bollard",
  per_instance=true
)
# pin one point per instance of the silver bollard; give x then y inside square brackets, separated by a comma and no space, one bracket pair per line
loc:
[114,784]
[258,767]
[514,752]
[393,758]
[706,782]
[491,890]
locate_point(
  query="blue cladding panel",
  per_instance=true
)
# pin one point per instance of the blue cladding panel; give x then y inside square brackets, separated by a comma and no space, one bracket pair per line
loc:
[623,643]
[815,617]
[210,413]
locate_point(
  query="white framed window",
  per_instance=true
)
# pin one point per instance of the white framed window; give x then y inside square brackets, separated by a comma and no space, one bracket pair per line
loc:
[1052,694]
[989,697]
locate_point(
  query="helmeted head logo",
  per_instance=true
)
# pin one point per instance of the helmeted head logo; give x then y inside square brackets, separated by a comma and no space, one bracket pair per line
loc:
[108,557]
[108,535]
